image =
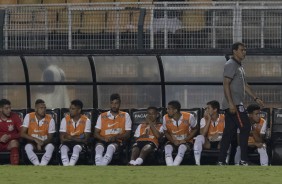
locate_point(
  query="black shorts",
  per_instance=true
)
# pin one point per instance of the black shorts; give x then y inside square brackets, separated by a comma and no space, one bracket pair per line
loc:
[141,144]
[214,145]
[189,145]
[106,144]
[70,145]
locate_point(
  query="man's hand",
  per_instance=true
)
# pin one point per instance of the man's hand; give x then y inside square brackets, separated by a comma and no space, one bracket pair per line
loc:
[112,139]
[232,109]
[207,116]
[214,137]
[259,144]
[260,102]
[5,138]
[176,142]
[39,144]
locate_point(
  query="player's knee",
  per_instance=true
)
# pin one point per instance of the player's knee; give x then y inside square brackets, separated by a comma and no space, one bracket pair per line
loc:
[147,148]
[262,151]
[113,147]
[182,148]
[64,149]
[200,139]
[28,147]
[49,147]
[14,144]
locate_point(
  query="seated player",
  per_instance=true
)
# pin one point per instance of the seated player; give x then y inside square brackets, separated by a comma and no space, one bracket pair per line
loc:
[38,129]
[211,129]
[179,128]
[147,135]
[112,129]
[257,135]
[10,124]
[75,131]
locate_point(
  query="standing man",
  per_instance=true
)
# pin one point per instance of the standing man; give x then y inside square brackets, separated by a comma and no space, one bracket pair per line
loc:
[235,87]
[10,124]
[179,128]
[147,137]
[75,130]
[38,129]
[257,135]
[112,128]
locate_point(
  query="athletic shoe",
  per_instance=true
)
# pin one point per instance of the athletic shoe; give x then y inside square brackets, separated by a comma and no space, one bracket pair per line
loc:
[243,163]
[221,163]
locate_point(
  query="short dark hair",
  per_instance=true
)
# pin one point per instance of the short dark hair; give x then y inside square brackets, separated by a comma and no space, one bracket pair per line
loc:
[253,107]
[152,107]
[39,101]
[115,96]
[175,104]
[4,102]
[215,105]
[236,45]
[77,103]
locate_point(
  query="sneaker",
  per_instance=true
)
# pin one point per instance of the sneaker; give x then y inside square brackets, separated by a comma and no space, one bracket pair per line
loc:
[243,163]
[221,163]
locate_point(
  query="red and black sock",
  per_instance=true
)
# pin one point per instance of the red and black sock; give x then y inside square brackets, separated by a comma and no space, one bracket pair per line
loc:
[14,156]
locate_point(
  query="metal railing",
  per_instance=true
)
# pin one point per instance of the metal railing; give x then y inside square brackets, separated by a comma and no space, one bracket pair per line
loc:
[142,25]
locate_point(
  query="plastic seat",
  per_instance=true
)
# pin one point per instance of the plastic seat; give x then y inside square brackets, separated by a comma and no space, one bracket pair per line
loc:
[195,20]
[29,1]
[8,2]
[276,137]
[77,1]
[53,1]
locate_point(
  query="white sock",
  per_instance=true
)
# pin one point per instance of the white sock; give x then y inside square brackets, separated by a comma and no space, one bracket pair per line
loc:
[99,150]
[263,156]
[198,147]
[237,157]
[139,161]
[168,155]
[109,154]
[49,148]
[228,155]
[180,155]
[31,155]
[132,162]
[64,155]
[75,155]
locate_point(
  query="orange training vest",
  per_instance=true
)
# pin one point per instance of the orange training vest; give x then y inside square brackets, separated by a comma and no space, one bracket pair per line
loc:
[76,131]
[181,131]
[112,127]
[151,137]
[34,130]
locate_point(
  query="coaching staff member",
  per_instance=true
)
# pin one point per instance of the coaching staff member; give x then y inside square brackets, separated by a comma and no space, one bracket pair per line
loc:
[235,87]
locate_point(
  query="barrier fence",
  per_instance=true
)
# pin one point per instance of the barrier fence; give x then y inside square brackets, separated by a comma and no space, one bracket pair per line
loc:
[141,25]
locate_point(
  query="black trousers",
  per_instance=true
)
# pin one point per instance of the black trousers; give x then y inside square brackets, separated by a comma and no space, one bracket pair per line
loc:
[232,123]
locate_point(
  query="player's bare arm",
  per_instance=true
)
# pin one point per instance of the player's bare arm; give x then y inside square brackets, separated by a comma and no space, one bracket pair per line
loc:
[124,136]
[5,138]
[253,95]
[205,129]
[227,93]
[98,136]
[49,139]
[24,135]
[192,134]
[171,139]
